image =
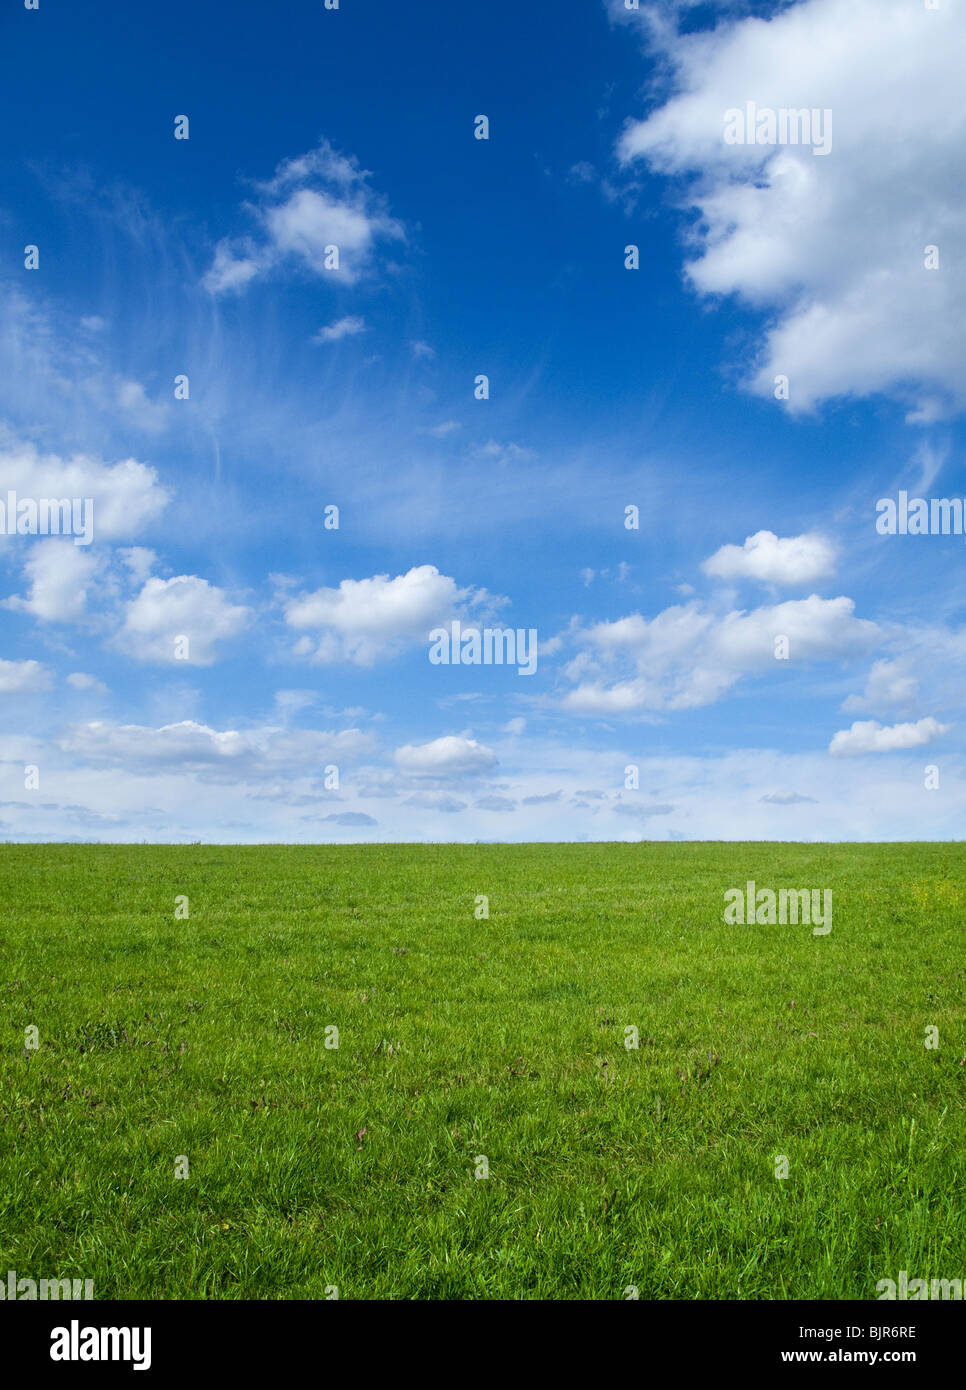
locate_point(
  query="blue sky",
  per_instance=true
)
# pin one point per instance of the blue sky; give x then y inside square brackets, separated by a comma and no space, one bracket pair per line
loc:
[609,387]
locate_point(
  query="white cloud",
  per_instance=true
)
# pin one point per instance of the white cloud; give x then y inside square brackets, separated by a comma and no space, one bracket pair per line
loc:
[132,400]
[185,606]
[314,201]
[231,269]
[582,172]
[771,559]
[496,453]
[127,495]
[868,736]
[307,222]
[64,378]
[23,677]
[187,783]
[347,327]
[833,246]
[190,746]
[79,680]
[364,620]
[689,656]
[891,685]
[289,702]
[445,757]
[60,575]
[139,561]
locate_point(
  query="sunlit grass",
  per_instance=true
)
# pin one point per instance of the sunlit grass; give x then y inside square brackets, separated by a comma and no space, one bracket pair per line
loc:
[459,1039]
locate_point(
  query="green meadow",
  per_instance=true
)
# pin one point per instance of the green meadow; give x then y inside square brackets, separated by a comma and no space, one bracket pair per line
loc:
[482,1130]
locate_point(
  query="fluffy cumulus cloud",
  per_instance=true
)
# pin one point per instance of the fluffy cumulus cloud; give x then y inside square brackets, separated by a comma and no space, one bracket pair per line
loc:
[891,686]
[451,756]
[689,655]
[832,246]
[168,609]
[23,677]
[59,576]
[126,495]
[868,736]
[314,202]
[365,620]
[770,559]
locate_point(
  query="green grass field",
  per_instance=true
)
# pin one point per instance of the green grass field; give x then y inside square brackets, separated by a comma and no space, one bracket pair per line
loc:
[311,1166]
